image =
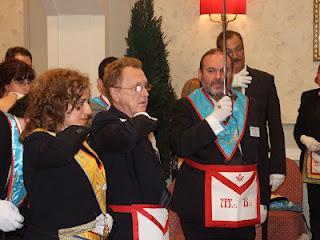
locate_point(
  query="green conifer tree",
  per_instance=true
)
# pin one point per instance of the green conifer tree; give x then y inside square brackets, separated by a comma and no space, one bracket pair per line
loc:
[146,42]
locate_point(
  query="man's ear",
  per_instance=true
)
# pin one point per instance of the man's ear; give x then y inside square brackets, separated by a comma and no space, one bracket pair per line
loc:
[200,75]
[100,86]
[115,94]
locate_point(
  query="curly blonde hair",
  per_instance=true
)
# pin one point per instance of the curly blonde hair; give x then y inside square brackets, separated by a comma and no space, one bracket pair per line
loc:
[50,94]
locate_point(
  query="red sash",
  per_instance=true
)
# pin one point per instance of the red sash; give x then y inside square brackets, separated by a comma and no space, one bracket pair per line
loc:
[148,221]
[232,195]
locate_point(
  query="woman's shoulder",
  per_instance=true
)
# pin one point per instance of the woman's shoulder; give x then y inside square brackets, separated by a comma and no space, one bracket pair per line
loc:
[5,126]
[3,118]
[38,136]
[103,118]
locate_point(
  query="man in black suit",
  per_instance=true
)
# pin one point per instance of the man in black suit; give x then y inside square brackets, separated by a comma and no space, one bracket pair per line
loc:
[215,134]
[260,86]
[120,137]
[307,136]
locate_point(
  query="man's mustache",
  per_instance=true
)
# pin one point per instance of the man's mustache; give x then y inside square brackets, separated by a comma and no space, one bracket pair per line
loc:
[219,82]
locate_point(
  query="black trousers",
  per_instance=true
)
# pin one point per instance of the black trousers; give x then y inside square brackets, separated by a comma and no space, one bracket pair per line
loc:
[265,229]
[314,209]
[122,227]
[15,235]
[195,231]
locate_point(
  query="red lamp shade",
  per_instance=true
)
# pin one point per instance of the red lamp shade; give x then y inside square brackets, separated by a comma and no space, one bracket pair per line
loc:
[216,6]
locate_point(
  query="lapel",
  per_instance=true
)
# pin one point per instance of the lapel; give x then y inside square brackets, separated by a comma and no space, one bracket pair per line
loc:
[118,113]
[315,103]
[252,87]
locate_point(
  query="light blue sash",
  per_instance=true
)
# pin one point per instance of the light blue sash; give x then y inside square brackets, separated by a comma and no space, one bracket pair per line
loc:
[16,190]
[100,101]
[229,139]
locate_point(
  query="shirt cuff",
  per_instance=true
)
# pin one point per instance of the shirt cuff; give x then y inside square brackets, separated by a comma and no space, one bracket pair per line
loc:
[214,124]
[145,114]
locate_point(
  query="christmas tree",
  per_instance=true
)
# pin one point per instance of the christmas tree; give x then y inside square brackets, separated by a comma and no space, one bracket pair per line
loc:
[146,42]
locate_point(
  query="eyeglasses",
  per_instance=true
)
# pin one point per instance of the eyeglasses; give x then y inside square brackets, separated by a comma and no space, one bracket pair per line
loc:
[23,81]
[138,88]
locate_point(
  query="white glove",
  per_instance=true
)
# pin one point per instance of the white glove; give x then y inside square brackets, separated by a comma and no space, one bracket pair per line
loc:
[276,180]
[101,221]
[223,109]
[153,141]
[10,218]
[312,144]
[146,114]
[263,213]
[241,79]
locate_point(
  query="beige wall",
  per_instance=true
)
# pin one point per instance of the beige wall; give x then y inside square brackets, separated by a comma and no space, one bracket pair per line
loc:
[37,35]
[277,37]
[117,22]
[77,41]
[12,24]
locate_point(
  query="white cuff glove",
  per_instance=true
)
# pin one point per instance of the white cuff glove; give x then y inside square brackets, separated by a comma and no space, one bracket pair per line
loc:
[222,110]
[310,143]
[153,141]
[276,180]
[241,79]
[10,218]
[146,114]
[101,222]
[263,213]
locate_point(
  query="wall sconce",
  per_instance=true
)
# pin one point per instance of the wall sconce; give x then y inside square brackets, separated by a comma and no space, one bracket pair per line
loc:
[216,7]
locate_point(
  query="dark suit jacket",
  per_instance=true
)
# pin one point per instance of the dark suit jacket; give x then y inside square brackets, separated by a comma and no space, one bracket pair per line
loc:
[308,121]
[263,90]
[5,153]
[194,139]
[59,192]
[133,168]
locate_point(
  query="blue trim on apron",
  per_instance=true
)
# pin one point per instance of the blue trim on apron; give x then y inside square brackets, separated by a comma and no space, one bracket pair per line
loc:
[99,101]
[229,138]
[16,190]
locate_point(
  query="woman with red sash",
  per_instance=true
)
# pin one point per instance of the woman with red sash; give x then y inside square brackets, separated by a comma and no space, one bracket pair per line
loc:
[217,192]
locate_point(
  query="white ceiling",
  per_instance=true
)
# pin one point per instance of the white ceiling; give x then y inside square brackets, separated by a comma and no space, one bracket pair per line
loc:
[73,7]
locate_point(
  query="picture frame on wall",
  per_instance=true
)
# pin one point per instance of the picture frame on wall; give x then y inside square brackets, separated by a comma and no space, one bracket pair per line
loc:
[316,28]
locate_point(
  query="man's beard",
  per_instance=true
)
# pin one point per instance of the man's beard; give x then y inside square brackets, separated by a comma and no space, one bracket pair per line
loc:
[216,96]
[215,89]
